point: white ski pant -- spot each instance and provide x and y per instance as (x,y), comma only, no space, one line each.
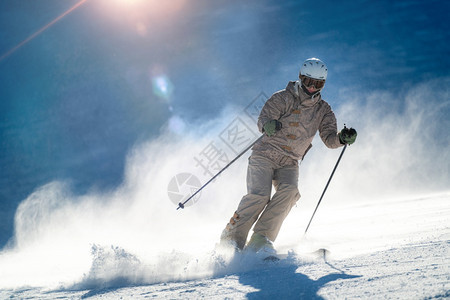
(257,206)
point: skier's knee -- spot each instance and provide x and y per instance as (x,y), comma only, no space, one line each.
(291,189)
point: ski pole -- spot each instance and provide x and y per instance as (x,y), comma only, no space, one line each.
(332,173)
(181,204)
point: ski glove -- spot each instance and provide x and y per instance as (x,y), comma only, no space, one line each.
(271,127)
(347,136)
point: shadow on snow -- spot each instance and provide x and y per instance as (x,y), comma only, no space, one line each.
(284,283)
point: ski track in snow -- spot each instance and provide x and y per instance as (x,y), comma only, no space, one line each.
(416,266)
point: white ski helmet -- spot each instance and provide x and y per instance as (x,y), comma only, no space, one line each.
(314,68)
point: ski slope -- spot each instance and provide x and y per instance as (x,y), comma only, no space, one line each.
(401,250)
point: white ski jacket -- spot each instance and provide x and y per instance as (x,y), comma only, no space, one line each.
(301,116)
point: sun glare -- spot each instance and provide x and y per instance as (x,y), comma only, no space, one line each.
(130,2)
(140,16)
(153,7)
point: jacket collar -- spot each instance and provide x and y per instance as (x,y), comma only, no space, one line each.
(305,99)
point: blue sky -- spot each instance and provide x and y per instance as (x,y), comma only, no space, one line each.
(110,74)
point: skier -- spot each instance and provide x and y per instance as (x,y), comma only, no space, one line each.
(290,120)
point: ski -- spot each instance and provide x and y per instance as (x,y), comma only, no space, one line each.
(271,258)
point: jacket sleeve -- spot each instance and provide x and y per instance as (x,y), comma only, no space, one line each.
(328,130)
(273,109)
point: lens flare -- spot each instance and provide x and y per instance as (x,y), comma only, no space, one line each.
(41,30)
(162,86)
(176,125)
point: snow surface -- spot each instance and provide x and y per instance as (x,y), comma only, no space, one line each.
(414,264)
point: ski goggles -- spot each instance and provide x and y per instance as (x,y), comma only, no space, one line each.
(311,82)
